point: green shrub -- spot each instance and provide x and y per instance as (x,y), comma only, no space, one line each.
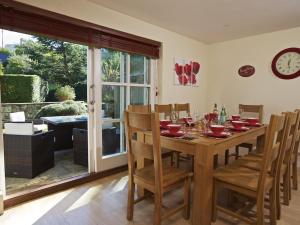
(5,51)
(66,108)
(18,88)
(1,69)
(65,93)
(18,64)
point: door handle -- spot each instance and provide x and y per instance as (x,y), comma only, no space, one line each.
(91,94)
(91,98)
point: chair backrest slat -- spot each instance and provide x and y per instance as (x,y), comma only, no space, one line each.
(182,108)
(165,109)
(257,109)
(296,136)
(139,108)
(140,121)
(140,149)
(290,137)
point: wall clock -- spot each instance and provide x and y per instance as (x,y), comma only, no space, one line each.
(286,64)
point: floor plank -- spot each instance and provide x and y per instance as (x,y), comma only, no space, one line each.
(103,202)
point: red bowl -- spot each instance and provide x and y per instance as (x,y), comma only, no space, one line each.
(217,129)
(174,128)
(164,123)
(236,117)
(252,121)
(238,124)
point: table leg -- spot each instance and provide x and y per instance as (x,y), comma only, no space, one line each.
(203,186)
(260,143)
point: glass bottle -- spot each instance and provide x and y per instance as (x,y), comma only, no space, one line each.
(216,112)
(223,116)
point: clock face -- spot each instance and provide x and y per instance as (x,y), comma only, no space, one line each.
(286,64)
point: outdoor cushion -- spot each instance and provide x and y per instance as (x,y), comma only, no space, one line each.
(17,117)
(19,128)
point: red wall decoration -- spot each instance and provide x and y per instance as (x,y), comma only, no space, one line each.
(186,72)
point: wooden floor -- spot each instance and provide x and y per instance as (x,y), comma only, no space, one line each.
(103,202)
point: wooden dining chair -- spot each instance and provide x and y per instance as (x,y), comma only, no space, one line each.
(139,108)
(254,160)
(166,110)
(252,183)
(156,178)
(257,111)
(147,109)
(288,156)
(178,108)
(294,158)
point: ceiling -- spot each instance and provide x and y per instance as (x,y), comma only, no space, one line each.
(212,21)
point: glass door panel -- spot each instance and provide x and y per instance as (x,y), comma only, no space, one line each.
(120,79)
(139,95)
(113,101)
(139,69)
(112,138)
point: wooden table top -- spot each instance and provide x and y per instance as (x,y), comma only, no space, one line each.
(185,144)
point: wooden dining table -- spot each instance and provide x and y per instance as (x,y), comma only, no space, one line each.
(203,149)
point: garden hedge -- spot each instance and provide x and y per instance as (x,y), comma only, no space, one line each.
(19,88)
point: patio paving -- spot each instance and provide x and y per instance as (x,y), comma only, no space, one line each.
(64,168)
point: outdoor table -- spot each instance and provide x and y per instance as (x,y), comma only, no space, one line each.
(63,129)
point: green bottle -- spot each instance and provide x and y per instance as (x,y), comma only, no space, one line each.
(223,116)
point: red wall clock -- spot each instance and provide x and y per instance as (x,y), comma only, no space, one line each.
(286,64)
(246,71)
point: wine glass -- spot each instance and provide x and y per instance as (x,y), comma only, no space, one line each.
(189,119)
(173,117)
(206,120)
(196,116)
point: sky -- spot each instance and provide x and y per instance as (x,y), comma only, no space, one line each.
(10,37)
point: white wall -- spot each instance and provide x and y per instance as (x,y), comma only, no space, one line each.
(174,45)
(219,81)
(226,87)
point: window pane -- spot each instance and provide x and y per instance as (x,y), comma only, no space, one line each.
(139,69)
(113,65)
(111,138)
(139,96)
(113,101)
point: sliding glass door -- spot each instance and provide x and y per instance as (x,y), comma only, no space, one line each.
(120,79)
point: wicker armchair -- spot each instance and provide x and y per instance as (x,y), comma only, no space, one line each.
(27,156)
(111,144)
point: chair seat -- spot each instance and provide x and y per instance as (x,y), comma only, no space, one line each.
(248,163)
(171,175)
(241,176)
